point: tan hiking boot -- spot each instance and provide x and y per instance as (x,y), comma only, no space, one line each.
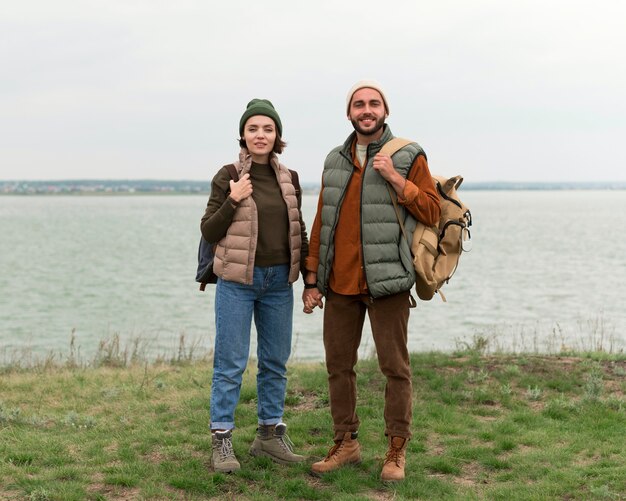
(273,442)
(395,459)
(224,460)
(345,451)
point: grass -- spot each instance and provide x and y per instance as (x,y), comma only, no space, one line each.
(486,426)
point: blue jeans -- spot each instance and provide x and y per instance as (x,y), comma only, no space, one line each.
(270,300)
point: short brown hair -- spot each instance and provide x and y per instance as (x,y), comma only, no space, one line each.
(279,144)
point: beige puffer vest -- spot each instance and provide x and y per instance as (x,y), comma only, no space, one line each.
(234,254)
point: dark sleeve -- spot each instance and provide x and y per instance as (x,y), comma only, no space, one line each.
(219,209)
(304,250)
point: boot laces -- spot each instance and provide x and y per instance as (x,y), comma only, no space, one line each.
(285,442)
(335,449)
(282,438)
(393,455)
(226,448)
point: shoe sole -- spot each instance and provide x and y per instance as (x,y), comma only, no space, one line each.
(320,473)
(391,480)
(226,470)
(258,453)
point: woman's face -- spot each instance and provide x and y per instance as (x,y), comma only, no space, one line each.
(259,133)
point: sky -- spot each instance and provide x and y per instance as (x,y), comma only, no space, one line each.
(524,90)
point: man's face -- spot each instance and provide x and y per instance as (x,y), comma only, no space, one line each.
(367,111)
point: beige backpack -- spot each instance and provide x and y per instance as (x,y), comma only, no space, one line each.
(437,249)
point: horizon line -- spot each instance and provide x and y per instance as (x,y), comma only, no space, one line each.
(186,180)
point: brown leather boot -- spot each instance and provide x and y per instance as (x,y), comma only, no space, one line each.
(345,451)
(395,459)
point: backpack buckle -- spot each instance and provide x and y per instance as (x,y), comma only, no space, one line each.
(466,240)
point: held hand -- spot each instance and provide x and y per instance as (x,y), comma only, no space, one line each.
(241,189)
(312,298)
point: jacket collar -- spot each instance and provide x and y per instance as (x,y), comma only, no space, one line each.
(245,161)
(373,148)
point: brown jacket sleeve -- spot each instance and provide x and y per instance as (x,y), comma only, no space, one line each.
(420,196)
(313,258)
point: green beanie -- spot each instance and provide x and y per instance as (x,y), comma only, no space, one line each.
(260,107)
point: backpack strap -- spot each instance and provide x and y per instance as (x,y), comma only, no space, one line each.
(295,181)
(390,148)
(394,199)
(232,170)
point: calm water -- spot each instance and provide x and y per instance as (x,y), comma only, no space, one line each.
(545,265)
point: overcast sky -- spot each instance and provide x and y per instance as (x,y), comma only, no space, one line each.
(496,91)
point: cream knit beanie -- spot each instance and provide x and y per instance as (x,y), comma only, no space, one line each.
(363,84)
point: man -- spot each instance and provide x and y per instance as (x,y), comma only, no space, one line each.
(359,261)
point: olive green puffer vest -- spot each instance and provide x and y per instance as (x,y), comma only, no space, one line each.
(386,254)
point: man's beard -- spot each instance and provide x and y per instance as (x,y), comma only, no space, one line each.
(379,124)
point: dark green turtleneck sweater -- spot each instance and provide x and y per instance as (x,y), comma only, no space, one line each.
(273,240)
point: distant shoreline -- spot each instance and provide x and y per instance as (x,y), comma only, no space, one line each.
(163,187)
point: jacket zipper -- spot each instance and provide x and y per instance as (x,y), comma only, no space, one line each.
(367,160)
(336,220)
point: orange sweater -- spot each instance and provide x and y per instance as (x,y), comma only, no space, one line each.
(347,275)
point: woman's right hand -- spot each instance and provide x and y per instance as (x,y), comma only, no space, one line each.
(241,189)
(312,298)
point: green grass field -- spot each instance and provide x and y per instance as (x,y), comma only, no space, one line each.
(511,427)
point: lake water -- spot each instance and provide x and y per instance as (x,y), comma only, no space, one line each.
(546,267)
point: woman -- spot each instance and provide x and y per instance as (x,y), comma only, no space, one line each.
(261,240)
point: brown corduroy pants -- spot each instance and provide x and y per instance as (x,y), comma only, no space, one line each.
(343,326)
